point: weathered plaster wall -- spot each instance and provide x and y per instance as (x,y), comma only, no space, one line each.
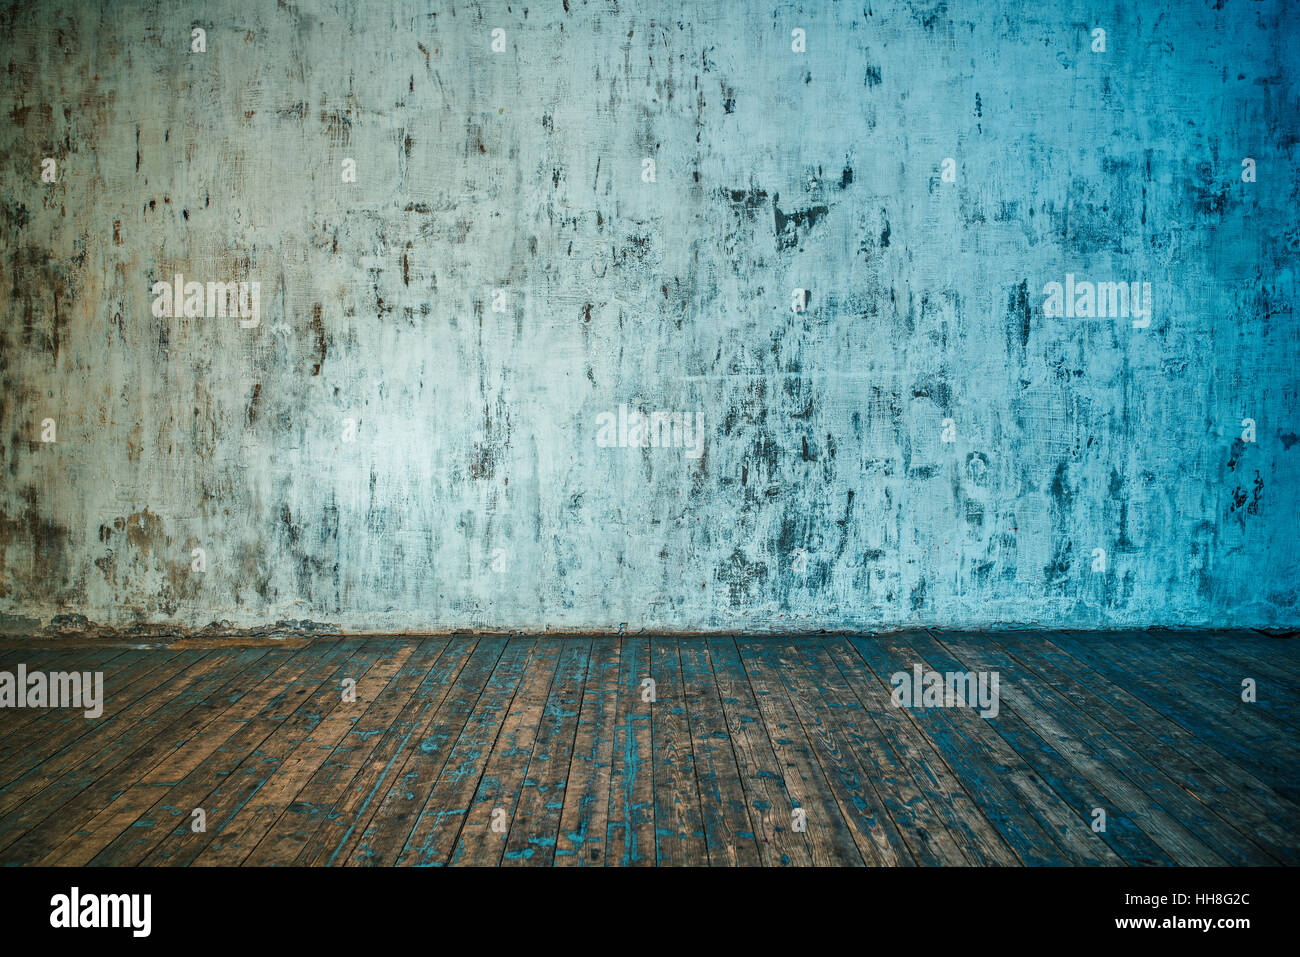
(476,492)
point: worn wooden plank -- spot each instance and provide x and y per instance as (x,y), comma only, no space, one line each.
(231,793)
(140,675)
(999,782)
(491,811)
(1226,789)
(1251,745)
(234,839)
(1122,834)
(770,802)
(831,837)
(584,819)
(872,787)
(373,821)
(535,824)
(554,732)
(438,826)
(978,839)
(1219,682)
(630,837)
(136,797)
(16,723)
(54,782)
(156,739)
(729,831)
(679,828)
(1069,827)
(239,733)
(873,830)
(1254,655)
(876,761)
(1164,815)
(381,732)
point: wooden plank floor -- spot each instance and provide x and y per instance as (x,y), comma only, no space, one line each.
(551,751)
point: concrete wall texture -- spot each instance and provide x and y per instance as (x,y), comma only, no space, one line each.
(422,430)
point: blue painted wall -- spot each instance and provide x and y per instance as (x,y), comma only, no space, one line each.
(396,445)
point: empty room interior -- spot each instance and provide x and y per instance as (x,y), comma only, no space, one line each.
(648,434)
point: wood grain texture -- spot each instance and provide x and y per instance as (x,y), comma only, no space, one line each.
(546,751)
